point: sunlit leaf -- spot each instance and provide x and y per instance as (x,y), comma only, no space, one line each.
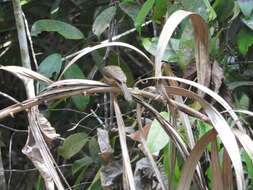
(51,65)
(103,20)
(150,44)
(157,137)
(160,9)
(73,144)
(246,7)
(66,30)
(248,22)
(244,40)
(74,72)
(143,13)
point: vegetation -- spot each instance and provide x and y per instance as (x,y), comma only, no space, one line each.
(186,125)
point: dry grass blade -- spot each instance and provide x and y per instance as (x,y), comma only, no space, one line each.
(214,95)
(227,172)
(149,154)
(46,164)
(226,135)
(108,44)
(191,162)
(250,113)
(74,82)
(216,169)
(201,43)
(122,137)
(172,133)
(16,70)
(245,141)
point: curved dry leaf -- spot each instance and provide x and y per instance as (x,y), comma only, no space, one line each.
(74,82)
(122,138)
(103,45)
(136,135)
(245,141)
(225,133)
(106,150)
(26,73)
(46,128)
(191,162)
(227,172)
(216,169)
(214,95)
(201,43)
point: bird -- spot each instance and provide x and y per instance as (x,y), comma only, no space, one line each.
(113,74)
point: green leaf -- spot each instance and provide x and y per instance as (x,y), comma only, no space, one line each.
(131,9)
(73,144)
(103,20)
(51,65)
(197,6)
(143,13)
(243,101)
(74,72)
(244,40)
(224,9)
(79,179)
(249,165)
(79,164)
(157,138)
(94,150)
(96,182)
(160,9)
(211,12)
(48,25)
(150,44)
(246,7)
(248,22)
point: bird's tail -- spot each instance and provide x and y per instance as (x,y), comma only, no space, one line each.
(126,92)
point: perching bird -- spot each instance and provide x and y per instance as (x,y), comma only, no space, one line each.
(114,74)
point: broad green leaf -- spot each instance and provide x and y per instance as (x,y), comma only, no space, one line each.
(131,9)
(94,150)
(243,102)
(157,138)
(246,7)
(103,20)
(73,144)
(211,12)
(150,44)
(160,9)
(74,72)
(244,40)
(96,183)
(224,9)
(186,46)
(51,65)
(248,22)
(197,6)
(143,13)
(48,25)
(79,164)
(79,179)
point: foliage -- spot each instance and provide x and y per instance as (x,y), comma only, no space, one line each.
(62,33)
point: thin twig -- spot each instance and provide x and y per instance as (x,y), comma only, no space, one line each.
(9,97)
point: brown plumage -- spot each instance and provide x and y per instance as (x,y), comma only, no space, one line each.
(114,74)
